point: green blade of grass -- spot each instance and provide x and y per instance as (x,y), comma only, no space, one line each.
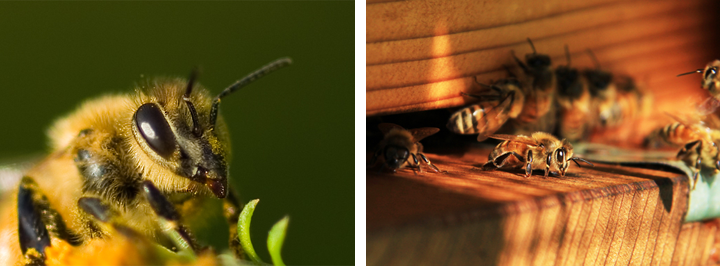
(276,236)
(243,229)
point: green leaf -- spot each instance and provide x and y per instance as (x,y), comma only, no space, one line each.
(276,236)
(244,230)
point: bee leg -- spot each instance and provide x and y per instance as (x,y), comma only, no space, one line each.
(32,231)
(520,63)
(166,211)
(547,171)
(489,165)
(37,222)
(698,164)
(528,165)
(417,163)
(231,211)
(422,156)
(685,152)
(510,72)
(104,213)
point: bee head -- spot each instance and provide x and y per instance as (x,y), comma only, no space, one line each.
(568,82)
(395,156)
(709,75)
(174,130)
(537,61)
(179,128)
(598,80)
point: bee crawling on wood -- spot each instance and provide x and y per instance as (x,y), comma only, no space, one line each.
(145,167)
(540,151)
(399,144)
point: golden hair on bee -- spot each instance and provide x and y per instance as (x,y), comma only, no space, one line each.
(131,160)
(539,151)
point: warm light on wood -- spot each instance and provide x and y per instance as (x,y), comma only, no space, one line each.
(412,44)
(421,55)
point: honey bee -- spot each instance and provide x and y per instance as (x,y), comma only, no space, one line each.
(573,101)
(710,80)
(399,144)
(698,142)
(603,91)
(538,112)
(711,83)
(146,166)
(631,101)
(540,151)
(487,116)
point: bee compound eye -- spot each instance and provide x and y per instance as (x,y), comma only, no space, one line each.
(710,73)
(155,129)
(403,153)
(561,155)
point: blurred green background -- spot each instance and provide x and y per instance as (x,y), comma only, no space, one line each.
(292,131)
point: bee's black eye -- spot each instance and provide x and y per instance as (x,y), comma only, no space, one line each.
(710,73)
(155,129)
(561,155)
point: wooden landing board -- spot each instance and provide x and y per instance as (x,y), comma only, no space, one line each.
(422,54)
(606,214)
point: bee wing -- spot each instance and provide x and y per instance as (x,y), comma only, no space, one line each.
(516,138)
(421,133)
(688,122)
(386,127)
(708,106)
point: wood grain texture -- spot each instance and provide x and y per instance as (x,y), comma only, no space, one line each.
(422,54)
(604,215)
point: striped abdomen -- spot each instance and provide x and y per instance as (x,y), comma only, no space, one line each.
(482,118)
(678,134)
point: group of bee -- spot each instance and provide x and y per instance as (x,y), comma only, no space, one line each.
(129,177)
(537,104)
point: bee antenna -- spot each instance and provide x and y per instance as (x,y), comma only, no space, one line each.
(267,69)
(193,113)
(592,56)
(531,45)
(482,84)
(574,159)
(691,72)
(567,54)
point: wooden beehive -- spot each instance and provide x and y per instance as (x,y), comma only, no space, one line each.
(422,54)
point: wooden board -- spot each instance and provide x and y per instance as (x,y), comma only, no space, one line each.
(606,214)
(422,54)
